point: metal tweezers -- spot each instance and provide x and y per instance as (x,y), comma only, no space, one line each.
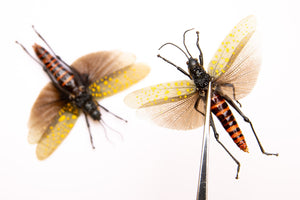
(202,182)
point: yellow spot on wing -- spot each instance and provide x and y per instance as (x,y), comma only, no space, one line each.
(237,39)
(164,93)
(119,80)
(57,131)
(62,118)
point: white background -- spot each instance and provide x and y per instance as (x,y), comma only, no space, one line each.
(151,162)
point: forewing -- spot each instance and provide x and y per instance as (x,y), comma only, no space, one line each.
(57,131)
(231,47)
(99,64)
(44,110)
(243,72)
(118,80)
(170,105)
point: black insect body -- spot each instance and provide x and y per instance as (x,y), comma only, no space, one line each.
(69,82)
(74,89)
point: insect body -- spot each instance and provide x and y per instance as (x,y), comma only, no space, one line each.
(68,82)
(221,109)
(75,89)
(232,71)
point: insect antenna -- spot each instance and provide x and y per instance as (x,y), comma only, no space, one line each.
(88,125)
(184,41)
(166,60)
(174,46)
(198,46)
(104,125)
(30,54)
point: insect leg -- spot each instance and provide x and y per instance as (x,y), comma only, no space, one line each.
(44,68)
(40,36)
(111,113)
(217,138)
(30,54)
(248,120)
(88,125)
(179,68)
(196,105)
(233,92)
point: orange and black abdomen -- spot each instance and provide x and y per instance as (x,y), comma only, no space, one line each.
(59,72)
(220,108)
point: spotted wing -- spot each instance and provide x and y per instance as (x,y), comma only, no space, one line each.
(46,122)
(118,80)
(100,64)
(43,112)
(236,63)
(170,105)
(57,131)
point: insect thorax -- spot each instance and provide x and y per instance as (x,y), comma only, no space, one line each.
(86,102)
(198,74)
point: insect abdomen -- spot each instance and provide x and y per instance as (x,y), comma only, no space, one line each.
(220,108)
(63,76)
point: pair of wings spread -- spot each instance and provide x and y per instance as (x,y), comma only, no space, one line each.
(169,104)
(236,62)
(52,119)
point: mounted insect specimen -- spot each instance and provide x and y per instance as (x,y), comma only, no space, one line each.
(232,71)
(75,89)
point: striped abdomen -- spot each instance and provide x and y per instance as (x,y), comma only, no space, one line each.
(58,70)
(220,108)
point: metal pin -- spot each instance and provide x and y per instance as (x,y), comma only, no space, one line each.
(202,182)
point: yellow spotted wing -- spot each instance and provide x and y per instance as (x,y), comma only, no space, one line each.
(118,80)
(57,131)
(237,60)
(52,117)
(109,72)
(236,63)
(170,105)
(50,121)
(44,110)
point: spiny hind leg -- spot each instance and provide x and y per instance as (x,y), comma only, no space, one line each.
(246,119)
(212,124)
(197,104)
(233,92)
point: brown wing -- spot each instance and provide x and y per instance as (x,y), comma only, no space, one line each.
(100,64)
(44,110)
(179,115)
